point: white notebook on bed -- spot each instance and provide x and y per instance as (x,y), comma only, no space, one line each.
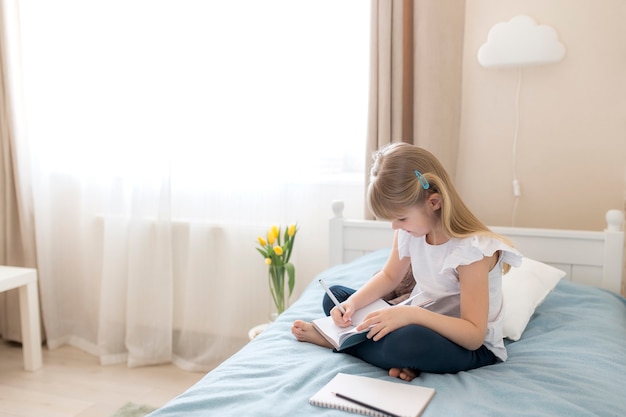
(384,398)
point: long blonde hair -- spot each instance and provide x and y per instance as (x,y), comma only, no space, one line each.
(394,186)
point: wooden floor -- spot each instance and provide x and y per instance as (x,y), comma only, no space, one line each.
(73,384)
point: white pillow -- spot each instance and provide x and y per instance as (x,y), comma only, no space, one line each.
(523,289)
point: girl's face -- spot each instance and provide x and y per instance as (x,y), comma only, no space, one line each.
(413,220)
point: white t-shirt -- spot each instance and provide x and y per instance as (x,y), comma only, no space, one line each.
(434,269)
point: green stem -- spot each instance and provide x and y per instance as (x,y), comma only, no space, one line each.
(276,275)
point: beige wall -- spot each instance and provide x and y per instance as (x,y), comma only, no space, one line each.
(571,153)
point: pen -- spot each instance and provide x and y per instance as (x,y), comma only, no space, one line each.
(332,296)
(361,403)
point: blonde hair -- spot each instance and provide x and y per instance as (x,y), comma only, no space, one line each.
(395,186)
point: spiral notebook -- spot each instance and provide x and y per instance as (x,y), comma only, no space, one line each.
(383,398)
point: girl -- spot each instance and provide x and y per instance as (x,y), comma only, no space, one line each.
(455,259)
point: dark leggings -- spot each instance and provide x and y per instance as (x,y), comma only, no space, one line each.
(414,347)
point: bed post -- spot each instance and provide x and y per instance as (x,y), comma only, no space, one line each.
(613,251)
(335,234)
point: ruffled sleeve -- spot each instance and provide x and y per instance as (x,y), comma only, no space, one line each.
(403,244)
(474,248)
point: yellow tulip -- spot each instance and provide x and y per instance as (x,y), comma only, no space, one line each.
(262,241)
(278,250)
(271,237)
(291,230)
(268,261)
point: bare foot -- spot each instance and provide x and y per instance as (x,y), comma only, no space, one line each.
(405,374)
(305,332)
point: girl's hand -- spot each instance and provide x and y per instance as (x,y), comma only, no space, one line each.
(386,320)
(343,320)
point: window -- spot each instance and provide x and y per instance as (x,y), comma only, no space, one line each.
(166,135)
(130,88)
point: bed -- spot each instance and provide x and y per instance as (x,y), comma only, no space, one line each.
(569,358)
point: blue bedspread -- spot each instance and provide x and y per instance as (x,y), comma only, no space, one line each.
(570,361)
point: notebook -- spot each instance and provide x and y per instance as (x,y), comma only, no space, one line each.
(394,398)
(344,337)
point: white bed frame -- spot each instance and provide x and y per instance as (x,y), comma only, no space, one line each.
(588,257)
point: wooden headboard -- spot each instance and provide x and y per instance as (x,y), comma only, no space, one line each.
(588,257)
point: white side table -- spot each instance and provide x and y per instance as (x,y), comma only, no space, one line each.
(26,280)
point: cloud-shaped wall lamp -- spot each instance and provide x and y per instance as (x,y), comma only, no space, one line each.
(520,42)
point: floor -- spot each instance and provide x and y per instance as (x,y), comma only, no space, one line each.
(73,384)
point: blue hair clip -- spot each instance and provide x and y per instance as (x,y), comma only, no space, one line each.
(422,180)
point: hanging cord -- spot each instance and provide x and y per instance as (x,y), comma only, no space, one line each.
(516,187)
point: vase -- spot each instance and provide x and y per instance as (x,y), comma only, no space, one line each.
(277,284)
(273,316)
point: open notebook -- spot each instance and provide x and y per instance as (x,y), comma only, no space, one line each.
(343,337)
(394,398)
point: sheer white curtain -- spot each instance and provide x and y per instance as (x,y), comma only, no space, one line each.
(165,136)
